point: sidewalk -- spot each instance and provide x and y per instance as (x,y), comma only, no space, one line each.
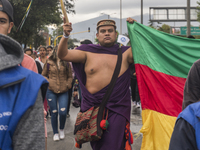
(69,142)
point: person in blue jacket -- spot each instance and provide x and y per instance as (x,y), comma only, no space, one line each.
(21,105)
(186,134)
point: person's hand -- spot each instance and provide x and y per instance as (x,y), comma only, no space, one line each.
(134,73)
(131,20)
(75,93)
(67,28)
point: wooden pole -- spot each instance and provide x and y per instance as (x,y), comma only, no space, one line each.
(64,11)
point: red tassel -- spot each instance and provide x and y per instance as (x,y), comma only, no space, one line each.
(128,146)
(104,124)
(77,145)
(131,137)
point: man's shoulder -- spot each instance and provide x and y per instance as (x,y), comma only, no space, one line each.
(197,62)
(195,65)
(191,112)
(27,60)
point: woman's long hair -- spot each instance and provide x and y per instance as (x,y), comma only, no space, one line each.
(54,58)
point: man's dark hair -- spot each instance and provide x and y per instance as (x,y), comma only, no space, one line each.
(7,8)
(86,41)
(191,37)
(50,47)
(28,49)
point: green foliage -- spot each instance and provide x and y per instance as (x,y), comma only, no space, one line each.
(151,25)
(58,31)
(38,40)
(42,14)
(164,28)
(71,43)
(198,11)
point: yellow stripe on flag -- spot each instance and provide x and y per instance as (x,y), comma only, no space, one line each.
(157,130)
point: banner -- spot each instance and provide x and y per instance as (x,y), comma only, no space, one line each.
(162,62)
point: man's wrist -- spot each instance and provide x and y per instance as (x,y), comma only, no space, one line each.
(65,36)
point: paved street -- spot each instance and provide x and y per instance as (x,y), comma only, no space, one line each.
(69,142)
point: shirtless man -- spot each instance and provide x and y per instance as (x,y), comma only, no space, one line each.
(99,62)
(98,68)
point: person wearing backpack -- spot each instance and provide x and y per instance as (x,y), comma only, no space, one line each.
(59,75)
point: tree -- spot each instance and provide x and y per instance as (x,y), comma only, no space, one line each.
(164,28)
(71,43)
(42,13)
(151,24)
(198,11)
(58,31)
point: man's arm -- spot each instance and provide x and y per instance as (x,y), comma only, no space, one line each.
(192,85)
(130,54)
(29,134)
(69,55)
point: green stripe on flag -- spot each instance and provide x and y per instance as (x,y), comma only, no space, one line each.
(166,53)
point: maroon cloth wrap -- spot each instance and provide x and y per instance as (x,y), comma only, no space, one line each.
(119,103)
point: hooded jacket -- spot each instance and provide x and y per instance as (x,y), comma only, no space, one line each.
(187,128)
(21,109)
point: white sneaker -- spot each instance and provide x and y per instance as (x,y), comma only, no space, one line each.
(62,134)
(138,105)
(56,137)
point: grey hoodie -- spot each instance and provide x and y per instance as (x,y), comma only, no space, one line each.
(11,53)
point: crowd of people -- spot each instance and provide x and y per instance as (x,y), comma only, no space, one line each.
(58,94)
(29,82)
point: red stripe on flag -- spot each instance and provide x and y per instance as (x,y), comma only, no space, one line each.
(160,92)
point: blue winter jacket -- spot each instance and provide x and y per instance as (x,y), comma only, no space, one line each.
(192,115)
(18,91)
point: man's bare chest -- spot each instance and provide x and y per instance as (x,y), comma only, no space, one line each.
(100,62)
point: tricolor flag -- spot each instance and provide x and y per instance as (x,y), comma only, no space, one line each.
(162,62)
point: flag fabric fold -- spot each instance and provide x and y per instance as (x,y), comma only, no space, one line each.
(162,62)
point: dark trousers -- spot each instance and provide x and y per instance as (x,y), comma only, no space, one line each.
(70,95)
(134,90)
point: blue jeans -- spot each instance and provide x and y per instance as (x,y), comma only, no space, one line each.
(54,100)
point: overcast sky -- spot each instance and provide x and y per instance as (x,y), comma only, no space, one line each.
(87,9)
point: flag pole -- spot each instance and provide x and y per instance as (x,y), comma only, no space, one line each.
(64,11)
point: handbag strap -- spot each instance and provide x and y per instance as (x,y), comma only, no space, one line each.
(109,91)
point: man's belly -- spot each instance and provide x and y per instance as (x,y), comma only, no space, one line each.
(97,82)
